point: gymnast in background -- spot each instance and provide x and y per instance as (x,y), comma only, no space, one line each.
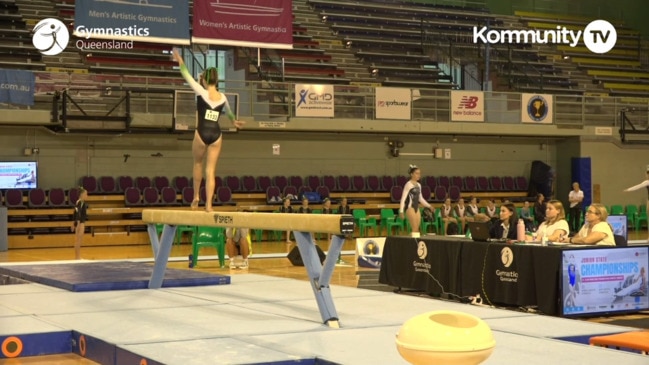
(410,200)
(644,184)
(206,146)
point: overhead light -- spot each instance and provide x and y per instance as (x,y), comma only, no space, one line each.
(348,44)
(324,18)
(566,57)
(375,72)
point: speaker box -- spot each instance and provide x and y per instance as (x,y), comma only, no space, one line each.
(296,259)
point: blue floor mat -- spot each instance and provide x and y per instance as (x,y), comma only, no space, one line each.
(99,276)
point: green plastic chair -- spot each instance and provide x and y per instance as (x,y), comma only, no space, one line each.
(364,223)
(631,212)
(398,223)
(435,223)
(182,229)
(387,216)
(209,237)
(616,209)
(641,217)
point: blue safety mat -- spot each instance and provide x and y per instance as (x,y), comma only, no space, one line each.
(100,276)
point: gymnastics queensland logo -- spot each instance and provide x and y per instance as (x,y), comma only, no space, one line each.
(422,250)
(507,256)
(50,36)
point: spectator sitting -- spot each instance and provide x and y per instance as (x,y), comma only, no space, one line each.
(237,244)
(305,206)
(526,215)
(539,208)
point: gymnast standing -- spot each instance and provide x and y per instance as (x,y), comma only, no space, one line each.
(206,146)
(410,200)
(79,225)
(644,184)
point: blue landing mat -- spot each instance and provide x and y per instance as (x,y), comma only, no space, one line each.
(99,276)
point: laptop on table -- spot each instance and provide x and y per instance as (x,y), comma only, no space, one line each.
(479,231)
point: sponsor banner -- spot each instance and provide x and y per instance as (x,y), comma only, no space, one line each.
(314,100)
(536,108)
(467,106)
(393,103)
(157,21)
(244,23)
(369,252)
(17,87)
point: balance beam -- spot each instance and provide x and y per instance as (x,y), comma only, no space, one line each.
(302,225)
(322,223)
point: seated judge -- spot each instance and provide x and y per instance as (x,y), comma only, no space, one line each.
(505,227)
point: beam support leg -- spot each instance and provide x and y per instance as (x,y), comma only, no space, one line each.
(320,276)
(162,256)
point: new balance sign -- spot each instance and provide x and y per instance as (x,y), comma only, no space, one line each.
(467,106)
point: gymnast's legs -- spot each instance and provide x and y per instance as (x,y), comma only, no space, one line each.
(205,157)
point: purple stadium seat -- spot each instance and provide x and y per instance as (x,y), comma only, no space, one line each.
(372,183)
(295,181)
(358,183)
(330,182)
(290,190)
(36,198)
(168,196)
(160,182)
(249,184)
(203,195)
(124,182)
(187,195)
(313,182)
(457,181)
(495,183)
(387,182)
(470,183)
(401,180)
(224,196)
(454,193)
(14,198)
(233,183)
(302,190)
(425,192)
(179,183)
(430,181)
(73,196)
(395,193)
(508,183)
(107,185)
(90,184)
(142,182)
(56,198)
(264,182)
(440,194)
(150,196)
(273,195)
(132,197)
(280,181)
(343,183)
(444,181)
(323,191)
(521,183)
(482,183)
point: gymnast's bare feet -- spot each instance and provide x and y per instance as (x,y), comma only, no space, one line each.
(208,208)
(195,203)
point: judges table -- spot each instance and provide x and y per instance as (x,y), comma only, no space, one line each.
(505,274)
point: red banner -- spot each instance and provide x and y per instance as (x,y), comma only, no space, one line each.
(244,23)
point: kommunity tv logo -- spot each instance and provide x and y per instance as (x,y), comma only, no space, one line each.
(599,36)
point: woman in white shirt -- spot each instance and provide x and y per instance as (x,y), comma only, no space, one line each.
(596,230)
(410,200)
(555,226)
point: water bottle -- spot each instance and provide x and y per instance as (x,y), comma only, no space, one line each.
(544,240)
(520,231)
